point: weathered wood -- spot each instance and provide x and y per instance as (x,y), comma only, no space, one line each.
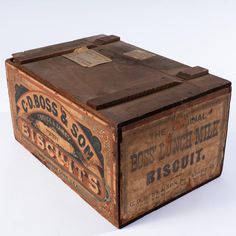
(172,154)
(127,129)
(132,93)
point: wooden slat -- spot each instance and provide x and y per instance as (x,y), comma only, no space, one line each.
(53,50)
(192,72)
(106,39)
(132,93)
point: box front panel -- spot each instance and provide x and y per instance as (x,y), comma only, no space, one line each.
(171,153)
(77,146)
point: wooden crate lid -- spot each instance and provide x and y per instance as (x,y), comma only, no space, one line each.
(132,84)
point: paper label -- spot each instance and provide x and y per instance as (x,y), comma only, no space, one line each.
(139,54)
(87,57)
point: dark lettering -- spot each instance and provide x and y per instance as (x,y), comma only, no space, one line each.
(133,162)
(88,152)
(176,166)
(150,177)
(184,162)
(63,117)
(166,170)
(36,101)
(74,130)
(42,102)
(30,102)
(24,106)
(48,105)
(54,109)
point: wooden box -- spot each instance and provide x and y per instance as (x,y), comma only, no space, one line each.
(125,128)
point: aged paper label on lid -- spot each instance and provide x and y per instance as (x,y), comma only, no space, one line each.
(87,57)
(139,54)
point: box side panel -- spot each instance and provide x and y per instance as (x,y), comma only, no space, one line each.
(77,146)
(171,153)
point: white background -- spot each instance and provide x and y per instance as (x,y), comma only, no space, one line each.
(33,201)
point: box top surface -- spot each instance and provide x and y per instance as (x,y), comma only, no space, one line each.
(115,80)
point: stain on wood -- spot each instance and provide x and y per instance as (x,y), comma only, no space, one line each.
(128,135)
